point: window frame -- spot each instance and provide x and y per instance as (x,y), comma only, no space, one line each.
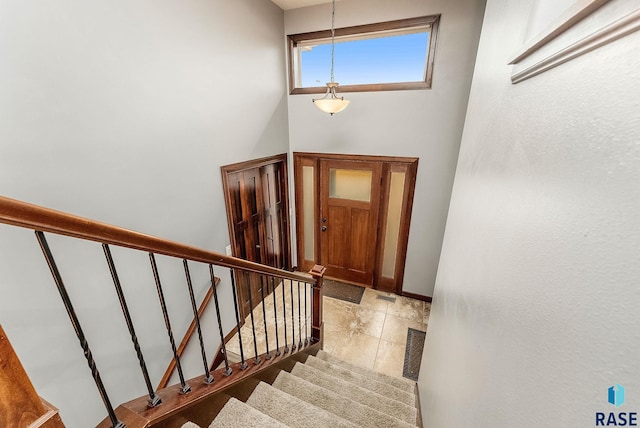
(432,21)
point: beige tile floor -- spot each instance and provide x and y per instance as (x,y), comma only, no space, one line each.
(371,334)
(277,319)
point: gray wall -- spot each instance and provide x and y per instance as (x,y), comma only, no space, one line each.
(535,308)
(425,124)
(124,112)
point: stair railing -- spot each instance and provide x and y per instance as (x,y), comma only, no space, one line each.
(164,381)
(307,288)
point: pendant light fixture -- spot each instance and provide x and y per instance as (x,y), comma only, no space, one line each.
(331,103)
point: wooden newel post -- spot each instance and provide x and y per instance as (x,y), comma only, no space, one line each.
(20,405)
(317,328)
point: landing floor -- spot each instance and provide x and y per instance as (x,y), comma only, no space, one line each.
(372,334)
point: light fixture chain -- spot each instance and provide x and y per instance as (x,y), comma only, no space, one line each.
(333,36)
(331,103)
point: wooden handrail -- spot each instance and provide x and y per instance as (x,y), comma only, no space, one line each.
(137,413)
(22,214)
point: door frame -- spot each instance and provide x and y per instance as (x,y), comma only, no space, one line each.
(408,165)
(257,163)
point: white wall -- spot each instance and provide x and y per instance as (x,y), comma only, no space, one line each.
(425,124)
(124,112)
(535,307)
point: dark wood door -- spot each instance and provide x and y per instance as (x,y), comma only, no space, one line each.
(246,190)
(349,205)
(275,218)
(257,208)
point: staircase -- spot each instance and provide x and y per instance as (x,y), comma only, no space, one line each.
(292,383)
(322,391)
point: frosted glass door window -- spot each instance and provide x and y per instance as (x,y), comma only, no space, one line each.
(352,184)
(308,211)
(394,214)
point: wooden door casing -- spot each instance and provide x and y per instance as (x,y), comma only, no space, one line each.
(311,248)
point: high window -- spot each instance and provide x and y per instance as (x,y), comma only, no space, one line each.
(386,56)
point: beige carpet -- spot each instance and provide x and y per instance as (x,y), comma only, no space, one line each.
(366,381)
(324,392)
(356,393)
(403,384)
(291,410)
(236,414)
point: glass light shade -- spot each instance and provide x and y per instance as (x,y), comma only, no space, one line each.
(331,103)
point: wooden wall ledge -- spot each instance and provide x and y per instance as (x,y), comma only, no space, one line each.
(20,405)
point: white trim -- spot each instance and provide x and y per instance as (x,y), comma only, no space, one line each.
(576,13)
(613,31)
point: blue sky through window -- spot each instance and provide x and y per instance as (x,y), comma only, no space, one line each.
(393,59)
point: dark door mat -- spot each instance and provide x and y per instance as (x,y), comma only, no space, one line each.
(413,354)
(342,291)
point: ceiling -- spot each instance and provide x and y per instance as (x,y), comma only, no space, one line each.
(294,4)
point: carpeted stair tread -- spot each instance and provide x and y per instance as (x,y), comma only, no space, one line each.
(330,401)
(405,385)
(356,393)
(364,381)
(292,411)
(238,414)
(189,425)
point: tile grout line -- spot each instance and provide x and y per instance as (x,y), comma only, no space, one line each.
(379,341)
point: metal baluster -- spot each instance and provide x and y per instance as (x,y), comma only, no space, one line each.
(256,360)
(306,316)
(284,318)
(275,310)
(227,370)
(275,313)
(184,388)
(264,315)
(208,379)
(154,400)
(115,423)
(299,320)
(243,364)
(293,322)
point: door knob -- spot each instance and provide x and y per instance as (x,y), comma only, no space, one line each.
(323,228)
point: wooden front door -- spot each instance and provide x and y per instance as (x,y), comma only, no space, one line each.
(349,211)
(256,199)
(353,214)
